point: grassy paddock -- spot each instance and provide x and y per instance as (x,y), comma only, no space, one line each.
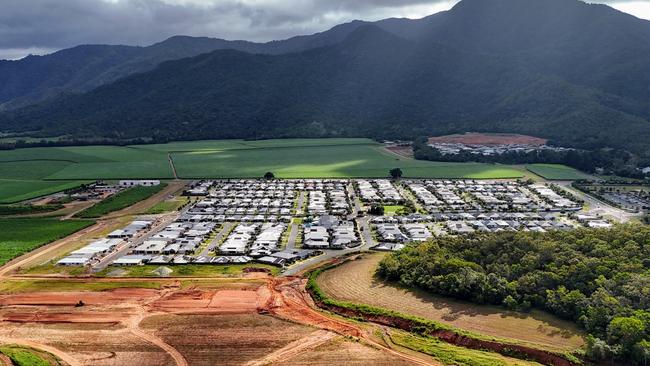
(449,354)
(556,172)
(120,201)
(19,236)
(61,285)
(392,210)
(189,270)
(168,205)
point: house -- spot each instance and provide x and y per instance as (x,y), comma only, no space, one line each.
(274,261)
(75,260)
(132,260)
(316,237)
(139,183)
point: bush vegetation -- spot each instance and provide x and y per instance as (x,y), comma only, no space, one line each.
(599,279)
(23,357)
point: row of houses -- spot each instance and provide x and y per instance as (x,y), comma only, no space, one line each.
(328,232)
(100,248)
(177,238)
(255,240)
(392,232)
(550,196)
(493,226)
(90,253)
(378,191)
(438,196)
(131,230)
(592,221)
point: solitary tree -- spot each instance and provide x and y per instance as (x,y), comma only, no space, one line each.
(376,209)
(269,175)
(396,173)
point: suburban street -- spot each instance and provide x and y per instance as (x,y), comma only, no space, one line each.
(126,246)
(598,207)
(221,235)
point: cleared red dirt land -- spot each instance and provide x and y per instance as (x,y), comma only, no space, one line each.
(488,139)
(270,322)
(354,281)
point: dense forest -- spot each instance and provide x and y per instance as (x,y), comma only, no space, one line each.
(599,279)
(612,161)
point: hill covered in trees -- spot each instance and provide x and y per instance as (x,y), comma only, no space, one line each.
(561,69)
(599,279)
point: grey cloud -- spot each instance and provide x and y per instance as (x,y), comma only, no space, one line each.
(54,24)
(39,26)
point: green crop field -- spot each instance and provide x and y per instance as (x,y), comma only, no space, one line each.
(363,159)
(29,173)
(12,191)
(19,236)
(120,200)
(556,172)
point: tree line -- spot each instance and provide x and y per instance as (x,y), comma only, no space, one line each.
(618,162)
(599,279)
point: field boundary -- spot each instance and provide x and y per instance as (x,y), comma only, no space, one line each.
(429,328)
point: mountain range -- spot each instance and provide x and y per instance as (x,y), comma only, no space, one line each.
(572,72)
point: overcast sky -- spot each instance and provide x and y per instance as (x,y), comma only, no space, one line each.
(44,26)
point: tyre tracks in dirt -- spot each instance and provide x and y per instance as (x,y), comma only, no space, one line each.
(288,300)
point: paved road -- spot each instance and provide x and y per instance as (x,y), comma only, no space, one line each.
(125,247)
(356,206)
(364,232)
(293,235)
(367,242)
(302,200)
(598,207)
(225,230)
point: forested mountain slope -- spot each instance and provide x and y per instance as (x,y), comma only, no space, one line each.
(560,69)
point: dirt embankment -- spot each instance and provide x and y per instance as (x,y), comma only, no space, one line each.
(523,352)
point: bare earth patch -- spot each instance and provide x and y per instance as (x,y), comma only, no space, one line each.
(354,281)
(340,351)
(488,139)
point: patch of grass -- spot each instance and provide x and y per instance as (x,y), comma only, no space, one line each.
(120,201)
(23,356)
(392,210)
(21,235)
(449,354)
(556,172)
(61,285)
(167,206)
(189,270)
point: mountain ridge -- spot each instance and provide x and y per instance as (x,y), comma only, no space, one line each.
(395,78)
